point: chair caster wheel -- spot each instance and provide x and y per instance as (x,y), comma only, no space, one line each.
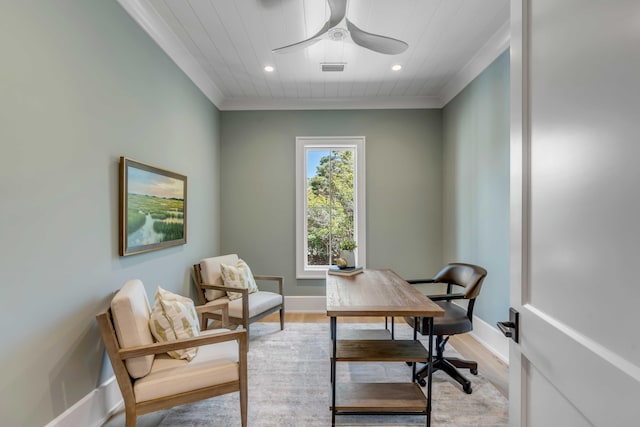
(422,382)
(474,371)
(467,389)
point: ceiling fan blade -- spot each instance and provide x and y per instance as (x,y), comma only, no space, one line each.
(298,46)
(305,43)
(338,10)
(375,42)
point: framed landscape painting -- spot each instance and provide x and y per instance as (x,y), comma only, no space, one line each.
(153,208)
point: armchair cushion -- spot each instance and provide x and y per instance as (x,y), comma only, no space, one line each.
(238,276)
(130,309)
(211,275)
(214,364)
(259,302)
(173,317)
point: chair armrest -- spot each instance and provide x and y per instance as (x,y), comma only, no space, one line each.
(445,297)
(244,292)
(219,287)
(278,279)
(159,348)
(416,281)
(245,297)
(215,306)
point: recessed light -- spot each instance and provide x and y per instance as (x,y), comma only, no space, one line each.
(397,67)
(269,69)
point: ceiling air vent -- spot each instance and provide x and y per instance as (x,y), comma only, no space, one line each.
(338,66)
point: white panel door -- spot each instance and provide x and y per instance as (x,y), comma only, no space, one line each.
(575,212)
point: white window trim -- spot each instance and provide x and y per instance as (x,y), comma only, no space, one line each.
(302,143)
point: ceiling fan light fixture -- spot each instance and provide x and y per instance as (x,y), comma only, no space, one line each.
(269,68)
(338,34)
(396,67)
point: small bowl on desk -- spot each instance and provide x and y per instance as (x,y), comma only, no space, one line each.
(341,263)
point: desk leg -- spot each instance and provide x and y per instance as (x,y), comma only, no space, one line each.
(393,328)
(334,339)
(415,338)
(429,370)
(386,326)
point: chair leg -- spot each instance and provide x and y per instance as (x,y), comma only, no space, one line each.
(130,416)
(243,377)
(464,364)
(422,373)
(282,318)
(204,322)
(246,328)
(449,366)
(456,375)
(243,401)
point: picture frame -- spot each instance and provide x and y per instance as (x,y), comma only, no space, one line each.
(153,208)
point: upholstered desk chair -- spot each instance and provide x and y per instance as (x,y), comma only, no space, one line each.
(467,280)
(151,380)
(242,311)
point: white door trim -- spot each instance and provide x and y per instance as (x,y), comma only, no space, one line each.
(519,184)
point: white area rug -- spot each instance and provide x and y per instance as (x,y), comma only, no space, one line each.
(289,385)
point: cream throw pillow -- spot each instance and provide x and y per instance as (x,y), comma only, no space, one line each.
(174,317)
(239,277)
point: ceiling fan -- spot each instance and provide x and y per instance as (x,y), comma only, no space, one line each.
(333,30)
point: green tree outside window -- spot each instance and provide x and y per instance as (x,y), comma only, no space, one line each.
(330,206)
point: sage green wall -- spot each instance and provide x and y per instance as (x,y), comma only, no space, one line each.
(403,194)
(476,184)
(80,85)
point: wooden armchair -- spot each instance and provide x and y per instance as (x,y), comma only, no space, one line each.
(149,379)
(242,311)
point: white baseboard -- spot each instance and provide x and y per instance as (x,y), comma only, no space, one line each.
(309,304)
(94,409)
(491,338)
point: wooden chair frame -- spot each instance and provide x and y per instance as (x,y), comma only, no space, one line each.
(118,355)
(245,320)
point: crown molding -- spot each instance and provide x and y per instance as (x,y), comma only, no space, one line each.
(363,103)
(488,53)
(146,16)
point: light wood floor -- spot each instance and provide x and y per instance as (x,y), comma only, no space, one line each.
(492,368)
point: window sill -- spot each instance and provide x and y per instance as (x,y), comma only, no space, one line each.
(311,274)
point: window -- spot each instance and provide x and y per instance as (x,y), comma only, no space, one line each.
(330,203)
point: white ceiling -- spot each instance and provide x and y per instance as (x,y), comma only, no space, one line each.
(224,45)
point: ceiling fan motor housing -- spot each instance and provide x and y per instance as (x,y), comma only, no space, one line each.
(338,34)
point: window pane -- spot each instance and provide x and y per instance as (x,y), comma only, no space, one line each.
(330,203)
(318,235)
(313,161)
(342,225)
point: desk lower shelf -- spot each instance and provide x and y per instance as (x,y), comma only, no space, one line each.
(364,334)
(380,397)
(380,351)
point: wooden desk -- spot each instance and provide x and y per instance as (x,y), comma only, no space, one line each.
(378,293)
